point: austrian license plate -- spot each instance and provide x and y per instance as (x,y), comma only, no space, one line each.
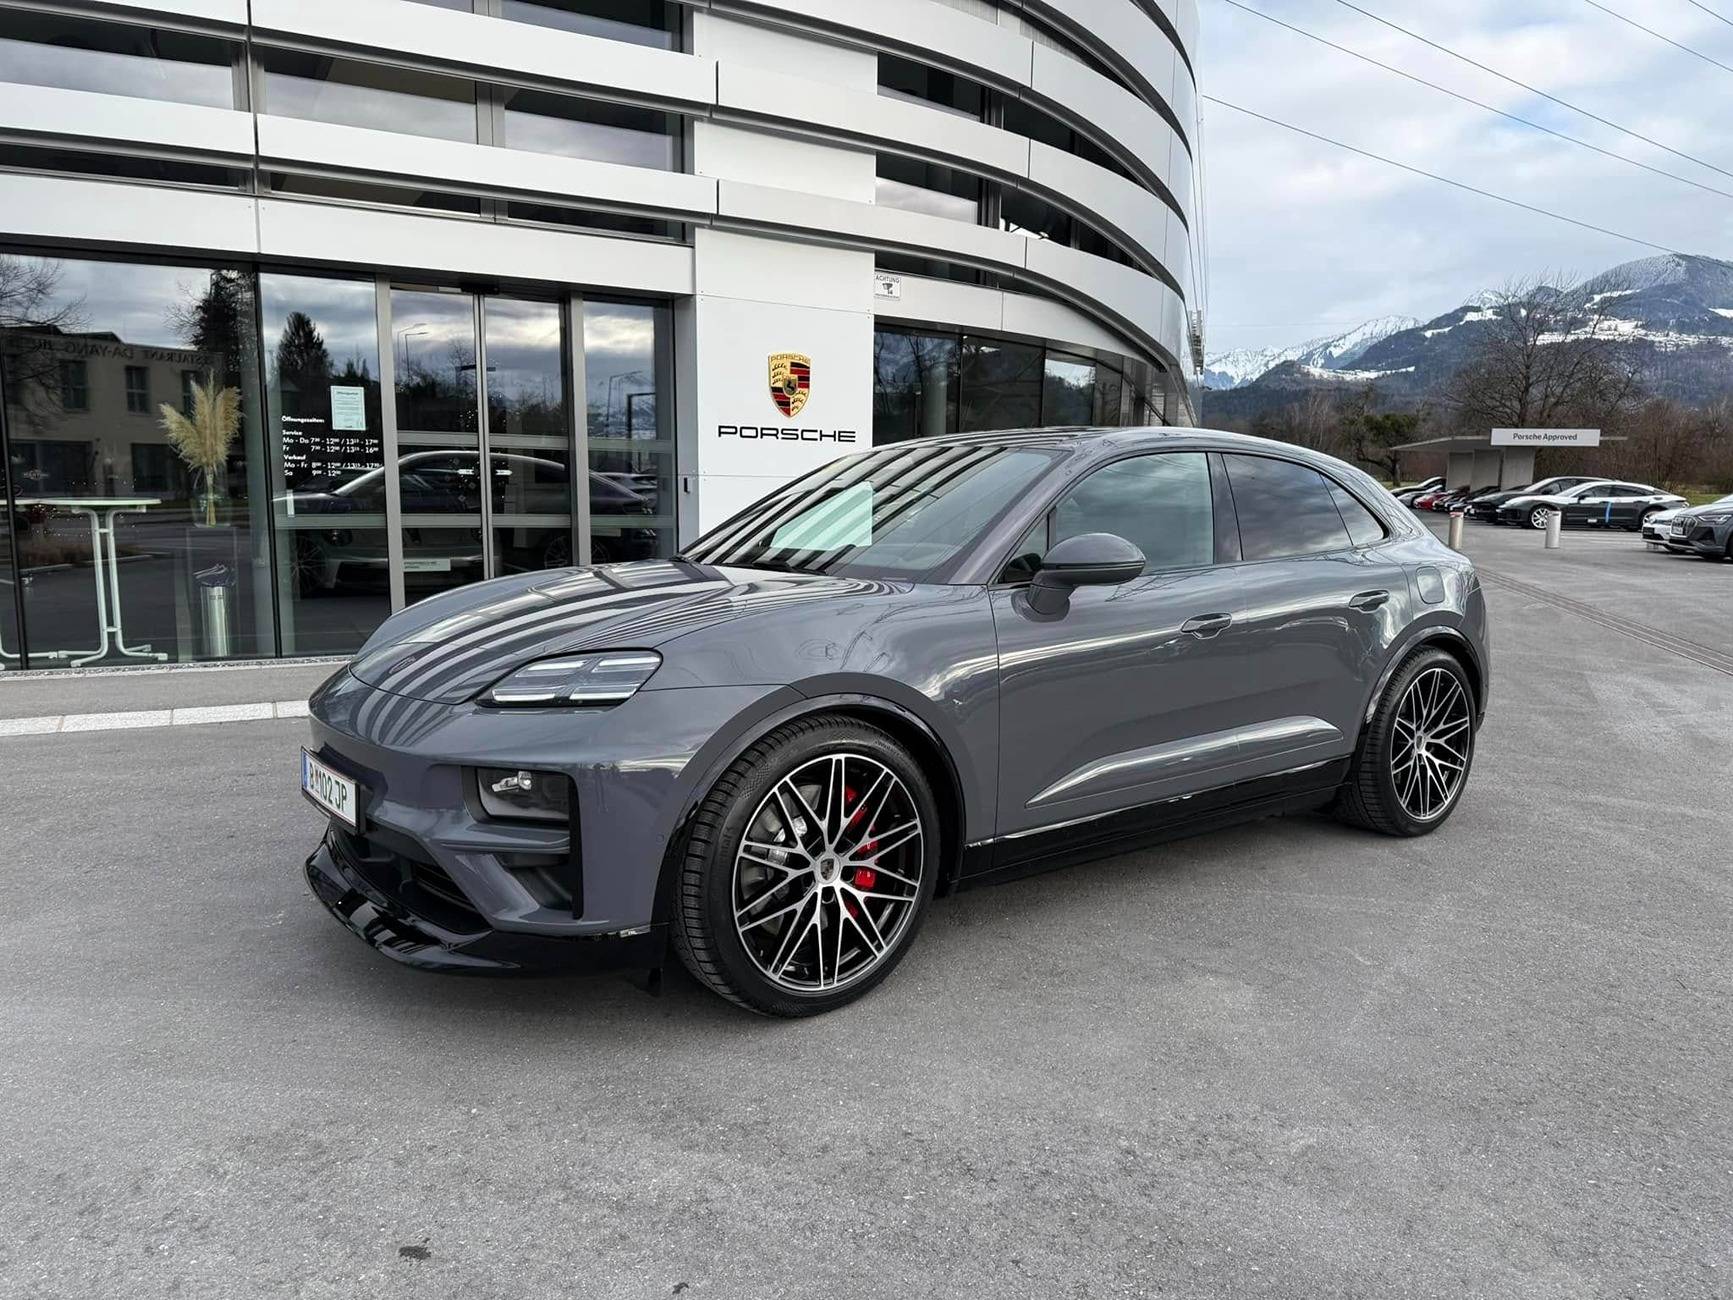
(1678,530)
(332,791)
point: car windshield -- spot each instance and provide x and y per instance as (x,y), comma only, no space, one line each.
(902,512)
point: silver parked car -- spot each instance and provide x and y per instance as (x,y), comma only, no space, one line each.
(924,668)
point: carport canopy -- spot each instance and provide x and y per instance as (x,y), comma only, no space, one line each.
(1472,462)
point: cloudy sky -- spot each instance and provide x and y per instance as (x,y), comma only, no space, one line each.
(1308,240)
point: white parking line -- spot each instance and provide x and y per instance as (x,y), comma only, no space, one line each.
(136,718)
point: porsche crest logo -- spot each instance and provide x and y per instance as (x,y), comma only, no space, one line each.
(790,382)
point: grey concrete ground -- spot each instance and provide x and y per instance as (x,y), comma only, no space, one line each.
(1286,1061)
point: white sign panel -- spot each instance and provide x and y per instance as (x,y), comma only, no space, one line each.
(887,285)
(348,408)
(1546,437)
(781,391)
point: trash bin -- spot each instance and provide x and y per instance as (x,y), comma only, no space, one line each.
(216,587)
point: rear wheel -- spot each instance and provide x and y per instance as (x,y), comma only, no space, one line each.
(808,869)
(1416,753)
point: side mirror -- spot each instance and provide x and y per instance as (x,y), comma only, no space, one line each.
(1087,560)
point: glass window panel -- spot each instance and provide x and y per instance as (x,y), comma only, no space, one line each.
(1363,526)
(348,191)
(629,409)
(642,22)
(352,93)
(433,347)
(1001,386)
(1109,397)
(1284,509)
(585,128)
(187,575)
(608,222)
(914,385)
(928,187)
(83,163)
(1068,393)
(905,79)
(529,435)
(325,425)
(1024,214)
(115,59)
(1161,504)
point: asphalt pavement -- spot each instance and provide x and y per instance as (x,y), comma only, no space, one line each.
(1288,1060)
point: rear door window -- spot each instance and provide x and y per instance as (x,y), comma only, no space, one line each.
(1284,509)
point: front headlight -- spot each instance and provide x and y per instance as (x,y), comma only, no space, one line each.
(1716,519)
(593,680)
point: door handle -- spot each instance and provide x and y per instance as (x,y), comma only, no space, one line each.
(1370,600)
(1206,626)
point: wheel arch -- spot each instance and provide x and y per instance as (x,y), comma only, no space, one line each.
(936,758)
(1454,642)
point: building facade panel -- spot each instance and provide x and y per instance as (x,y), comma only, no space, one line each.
(310,309)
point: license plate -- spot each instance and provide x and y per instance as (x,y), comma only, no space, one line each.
(332,791)
(1678,530)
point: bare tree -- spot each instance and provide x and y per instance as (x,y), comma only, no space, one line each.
(1315,421)
(33,309)
(1551,356)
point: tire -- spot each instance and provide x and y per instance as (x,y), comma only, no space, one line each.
(1537,518)
(1386,791)
(1644,521)
(777,795)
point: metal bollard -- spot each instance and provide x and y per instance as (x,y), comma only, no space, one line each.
(1555,527)
(1456,518)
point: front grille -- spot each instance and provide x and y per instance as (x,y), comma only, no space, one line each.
(422,887)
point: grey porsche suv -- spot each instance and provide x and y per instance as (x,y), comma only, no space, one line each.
(920,669)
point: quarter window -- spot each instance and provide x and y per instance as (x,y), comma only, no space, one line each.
(1161,504)
(1363,526)
(1284,509)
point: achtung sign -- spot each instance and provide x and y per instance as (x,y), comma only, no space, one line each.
(1546,437)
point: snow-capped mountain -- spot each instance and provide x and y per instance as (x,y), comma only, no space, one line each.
(1338,352)
(1674,311)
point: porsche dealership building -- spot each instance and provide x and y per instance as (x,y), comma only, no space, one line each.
(279,279)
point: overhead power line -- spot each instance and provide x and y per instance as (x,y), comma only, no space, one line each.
(1718,17)
(1443,180)
(1469,99)
(1533,90)
(1659,36)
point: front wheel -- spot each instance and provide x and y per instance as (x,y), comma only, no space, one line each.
(1538,518)
(808,869)
(1416,753)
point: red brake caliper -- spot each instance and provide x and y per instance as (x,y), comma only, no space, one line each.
(864,877)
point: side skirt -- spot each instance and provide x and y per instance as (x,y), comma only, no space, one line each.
(1070,843)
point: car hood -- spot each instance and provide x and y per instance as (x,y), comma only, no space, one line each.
(450,648)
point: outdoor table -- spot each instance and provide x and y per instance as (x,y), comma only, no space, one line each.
(105,564)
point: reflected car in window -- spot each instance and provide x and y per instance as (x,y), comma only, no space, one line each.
(917,670)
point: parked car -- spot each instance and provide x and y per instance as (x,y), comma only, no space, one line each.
(1703,530)
(1461,499)
(1486,507)
(1407,494)
(1655,526)
(1425,499)
(914,670)
(1600,503)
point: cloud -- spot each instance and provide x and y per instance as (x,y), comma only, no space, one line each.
(1307,239)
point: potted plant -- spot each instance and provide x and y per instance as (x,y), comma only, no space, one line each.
(203,439)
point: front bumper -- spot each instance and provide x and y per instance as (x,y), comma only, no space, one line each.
(383,916)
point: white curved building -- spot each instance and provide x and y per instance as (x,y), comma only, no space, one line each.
(696,246)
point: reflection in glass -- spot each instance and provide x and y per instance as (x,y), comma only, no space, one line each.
(434,355)
(914,385)
(1109,397)
(626,365)
(529,435)
(133,521)
(115,59)
(586,128)
(928,187)
(642,22)
(1068,393)
(325,433)
(1001,385)
(352,93)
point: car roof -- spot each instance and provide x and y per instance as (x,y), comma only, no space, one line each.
(1104,443)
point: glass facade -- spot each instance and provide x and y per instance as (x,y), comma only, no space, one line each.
(927,383)
(210,462)
(41,49)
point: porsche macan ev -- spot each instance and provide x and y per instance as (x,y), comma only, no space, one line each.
(922,668)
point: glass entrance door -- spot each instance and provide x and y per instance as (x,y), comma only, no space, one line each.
(483,438)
